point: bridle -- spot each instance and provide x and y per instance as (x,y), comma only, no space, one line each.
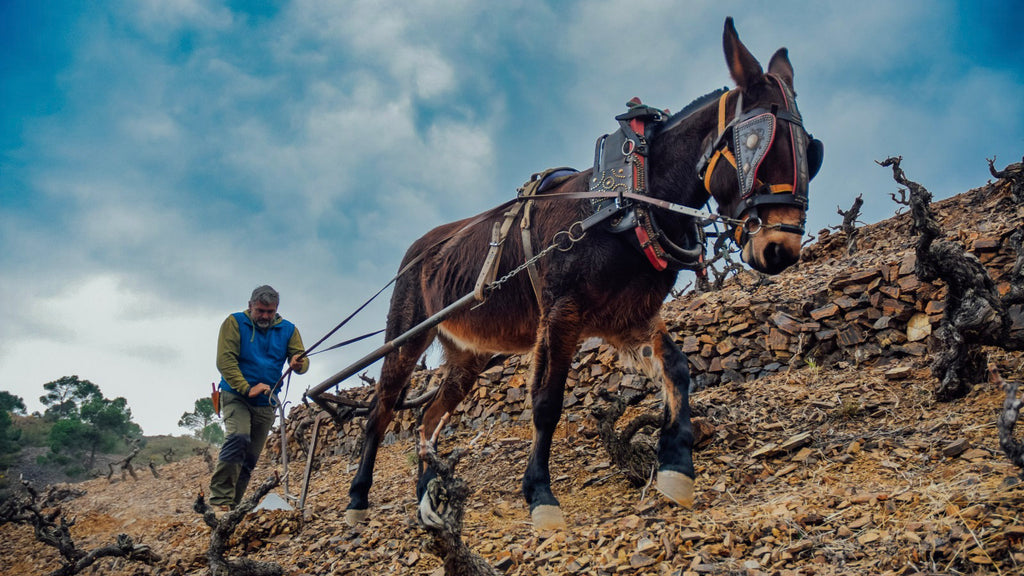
(752,135)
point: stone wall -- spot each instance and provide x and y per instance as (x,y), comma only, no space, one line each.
(866,309)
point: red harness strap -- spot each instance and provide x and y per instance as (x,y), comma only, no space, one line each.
(647,245)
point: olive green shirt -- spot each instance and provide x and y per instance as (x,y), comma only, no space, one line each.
(229,344)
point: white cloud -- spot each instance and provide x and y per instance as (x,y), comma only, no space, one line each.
(401,39)
(459,160)
(430,75)
(128,342)
(162,18)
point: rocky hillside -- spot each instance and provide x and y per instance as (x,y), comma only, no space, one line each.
(822,452)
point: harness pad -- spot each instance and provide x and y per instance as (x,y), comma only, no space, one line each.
(620,166)
(612,172)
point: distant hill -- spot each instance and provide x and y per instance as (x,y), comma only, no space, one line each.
(42,473)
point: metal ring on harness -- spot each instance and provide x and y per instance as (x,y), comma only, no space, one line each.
(752,225)
(567,235)
(628,146)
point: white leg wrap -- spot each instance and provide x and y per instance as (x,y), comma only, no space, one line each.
(547,517)
(356,517)
(428,516)
(676,486)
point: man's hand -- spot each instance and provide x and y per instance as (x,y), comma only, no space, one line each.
(258,389)
(296,363)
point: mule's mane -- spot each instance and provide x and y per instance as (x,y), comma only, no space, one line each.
(690,108)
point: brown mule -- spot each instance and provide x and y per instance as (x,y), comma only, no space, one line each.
(606,284)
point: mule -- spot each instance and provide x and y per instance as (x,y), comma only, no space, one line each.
(602,282)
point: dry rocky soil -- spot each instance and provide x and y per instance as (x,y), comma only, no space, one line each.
(833,465)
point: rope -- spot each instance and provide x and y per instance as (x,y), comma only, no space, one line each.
(345,343)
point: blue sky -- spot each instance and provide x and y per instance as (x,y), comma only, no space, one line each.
(161,158)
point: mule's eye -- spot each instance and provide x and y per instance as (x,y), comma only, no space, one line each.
(815,156)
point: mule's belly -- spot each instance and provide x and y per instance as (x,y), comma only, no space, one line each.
(491,334)
(506,322)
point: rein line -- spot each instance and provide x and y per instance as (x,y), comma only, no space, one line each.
(556,244)
(309,351)
(671,206)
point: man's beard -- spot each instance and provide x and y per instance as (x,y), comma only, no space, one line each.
(264,324)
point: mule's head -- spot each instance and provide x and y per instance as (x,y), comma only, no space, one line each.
(759,161)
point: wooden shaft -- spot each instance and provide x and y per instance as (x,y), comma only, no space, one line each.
(392,345)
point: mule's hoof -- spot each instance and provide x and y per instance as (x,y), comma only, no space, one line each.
(428,516)
(547,517)
(676,486)
(355,517)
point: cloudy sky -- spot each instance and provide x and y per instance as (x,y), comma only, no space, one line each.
(161,158)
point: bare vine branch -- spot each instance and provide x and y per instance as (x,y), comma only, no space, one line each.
(223,527)
(1014,173)
(975,314)
(636,457)
(1007,419)
(54,529)
(849,225)
(447,496)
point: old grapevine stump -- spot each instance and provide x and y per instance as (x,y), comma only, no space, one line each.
(447,496)
(1007,420)
(54,529)
(975,314)
(221,529)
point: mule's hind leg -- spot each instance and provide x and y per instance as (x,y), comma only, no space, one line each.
(552,357)
(675,446)
(395,373)
(462,369)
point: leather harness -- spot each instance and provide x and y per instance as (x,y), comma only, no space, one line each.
(537,183)
(618,186)
(620,167)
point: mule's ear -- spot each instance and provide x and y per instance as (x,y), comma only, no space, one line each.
(781,67)
(744,68)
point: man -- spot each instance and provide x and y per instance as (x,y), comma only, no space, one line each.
(253,347)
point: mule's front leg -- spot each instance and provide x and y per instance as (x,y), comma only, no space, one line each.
(552,357)
(547,410)
(675,446)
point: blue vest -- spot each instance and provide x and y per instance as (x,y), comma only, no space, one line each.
(262,355)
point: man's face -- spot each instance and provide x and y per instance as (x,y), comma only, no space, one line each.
(262,314)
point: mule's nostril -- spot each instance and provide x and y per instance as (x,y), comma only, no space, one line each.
(777,258)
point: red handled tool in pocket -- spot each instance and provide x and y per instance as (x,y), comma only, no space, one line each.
(215,397)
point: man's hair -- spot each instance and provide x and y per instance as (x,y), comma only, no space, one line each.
(265,295)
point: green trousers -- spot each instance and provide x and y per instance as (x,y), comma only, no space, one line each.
(247,428)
